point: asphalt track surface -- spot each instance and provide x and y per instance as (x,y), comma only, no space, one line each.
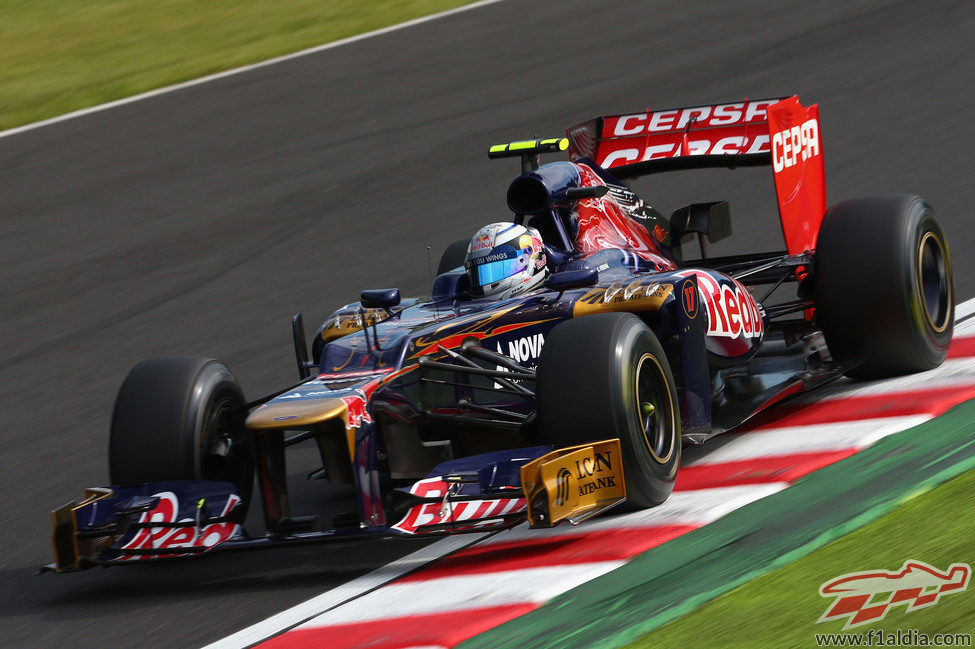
(200,220)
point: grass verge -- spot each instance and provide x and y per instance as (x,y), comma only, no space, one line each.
(780,609)
(59,56)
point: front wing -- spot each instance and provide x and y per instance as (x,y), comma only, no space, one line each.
(121,525)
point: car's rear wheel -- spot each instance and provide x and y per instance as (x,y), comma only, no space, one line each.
(605,376)
(884,291)
(181,418)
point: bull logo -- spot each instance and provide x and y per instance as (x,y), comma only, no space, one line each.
(865,597)
(562,487)
(355,409)
(689,294)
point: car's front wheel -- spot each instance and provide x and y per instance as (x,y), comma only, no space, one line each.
(604,376)
(180,418)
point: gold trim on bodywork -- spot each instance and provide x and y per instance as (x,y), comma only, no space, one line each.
(276,415)
(573,483)
(343,324)
(65,522)
(642,294)
(306,410)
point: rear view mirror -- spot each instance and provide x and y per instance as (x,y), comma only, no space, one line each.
(569,279)
(380,298)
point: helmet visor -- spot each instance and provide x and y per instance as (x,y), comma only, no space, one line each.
(503,262)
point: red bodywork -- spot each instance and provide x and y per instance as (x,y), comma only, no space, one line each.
(603,224)
(779,132)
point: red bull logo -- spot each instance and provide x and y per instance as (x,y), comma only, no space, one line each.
(464,514)
(865,597)
(482,242)
(355,409)
(165,513)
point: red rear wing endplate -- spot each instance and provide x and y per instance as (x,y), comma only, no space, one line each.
(777,132)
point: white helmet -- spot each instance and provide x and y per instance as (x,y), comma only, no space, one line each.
(504,260)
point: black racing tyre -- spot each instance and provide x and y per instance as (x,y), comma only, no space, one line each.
(883,285)
(606,375)
(453,257)
(180,418)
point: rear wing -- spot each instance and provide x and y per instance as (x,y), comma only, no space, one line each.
(779,132)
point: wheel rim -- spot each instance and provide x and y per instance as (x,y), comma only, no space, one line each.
(224,453)
(655,410)
(933,282)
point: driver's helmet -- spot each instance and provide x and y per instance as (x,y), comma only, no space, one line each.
(504,260)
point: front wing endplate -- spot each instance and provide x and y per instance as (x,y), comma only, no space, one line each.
(573,483)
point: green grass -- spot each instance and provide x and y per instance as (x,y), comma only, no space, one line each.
(61,55)
(780,609)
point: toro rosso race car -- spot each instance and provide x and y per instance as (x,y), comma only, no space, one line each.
(569,389)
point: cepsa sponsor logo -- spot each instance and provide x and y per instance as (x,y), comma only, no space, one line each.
(732,311)
(729,145)
(701,130)
(166,511)
(867,596)
(746,112)
(355,409)
(794,145)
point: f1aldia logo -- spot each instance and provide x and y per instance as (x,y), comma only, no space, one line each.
(865,597)
(562,487)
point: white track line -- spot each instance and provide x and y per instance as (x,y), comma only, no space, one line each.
(695,507)
(968,326)
(953,373)
(461,592)
(363,599)
(341,594)
(812,438)
(964,309)
(247,68)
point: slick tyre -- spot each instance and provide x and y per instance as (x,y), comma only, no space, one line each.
(453,257)
(180,418)
(883,285)
(605,376)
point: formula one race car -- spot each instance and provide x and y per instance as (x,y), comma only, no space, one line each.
(463,411)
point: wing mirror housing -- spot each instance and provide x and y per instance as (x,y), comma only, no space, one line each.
(380,298)
(569,279)
(579,193)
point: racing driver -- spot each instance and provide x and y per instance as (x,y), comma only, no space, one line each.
(505,260)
